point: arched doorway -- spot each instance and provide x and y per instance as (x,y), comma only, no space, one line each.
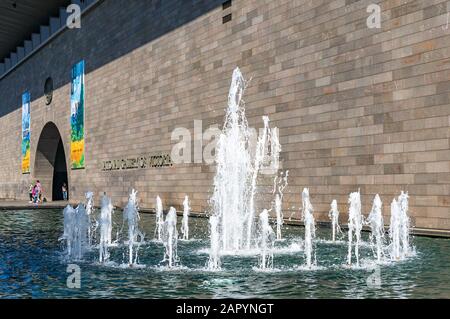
(50,166)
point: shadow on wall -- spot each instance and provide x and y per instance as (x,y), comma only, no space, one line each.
(107,33)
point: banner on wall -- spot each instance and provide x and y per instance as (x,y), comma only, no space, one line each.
(77,116)
(26,132)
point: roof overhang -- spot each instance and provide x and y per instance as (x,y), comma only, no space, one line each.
(19,19)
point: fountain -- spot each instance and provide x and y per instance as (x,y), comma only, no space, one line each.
(233,171)
(214,255)
(267,238)
(90,213)
(185,220)
(236,173)
(394,230)
(355,223)
(75,232)
(399,228)
(375,221)
(333,214)
(69,229)
(131,217)
(258,161)
(105,222)
(159,219)
(310,228)
(279,215)
(275,150)
(233,226)
(404,223)
(278,188)
(227,276)
(83,225)
(170,238)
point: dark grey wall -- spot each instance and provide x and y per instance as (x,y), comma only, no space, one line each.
(108,33)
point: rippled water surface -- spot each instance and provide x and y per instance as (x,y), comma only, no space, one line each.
(32,265)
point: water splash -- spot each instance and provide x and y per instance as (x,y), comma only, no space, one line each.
(83,225)
(333,214)
(310,227)
(233,173)
(258,161)
(291,247)
(399,228)
(76,225)
(131,217)
(355,223)
(170,238)
(69,230)
(105,222)
(267,239)
(279,214)
(280,183)
(90,211)
(214,254)
(185,220)
(394,230)
(159,219)
(404,223)
(275,150)
(376,223)
(233,199)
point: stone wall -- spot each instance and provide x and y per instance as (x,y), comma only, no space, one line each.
(356,107)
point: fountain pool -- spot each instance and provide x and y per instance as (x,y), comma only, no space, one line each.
(32,265)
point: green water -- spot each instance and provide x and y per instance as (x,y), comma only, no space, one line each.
(32,266)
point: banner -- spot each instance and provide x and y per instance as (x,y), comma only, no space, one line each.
(77,116)
(26,133)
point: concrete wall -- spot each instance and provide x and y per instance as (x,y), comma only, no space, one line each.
(356,107)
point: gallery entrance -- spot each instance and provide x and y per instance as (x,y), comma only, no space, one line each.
(50,163)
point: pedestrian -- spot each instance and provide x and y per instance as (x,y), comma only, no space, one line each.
(64,191)
(30,192)
(35,194)
(39,190)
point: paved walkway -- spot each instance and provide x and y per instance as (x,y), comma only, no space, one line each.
(16,204)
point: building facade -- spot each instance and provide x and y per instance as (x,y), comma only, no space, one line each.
(356,107)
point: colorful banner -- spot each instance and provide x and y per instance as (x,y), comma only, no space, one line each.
(26,133)
(77,116)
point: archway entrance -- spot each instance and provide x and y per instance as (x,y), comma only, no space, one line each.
(50,163)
